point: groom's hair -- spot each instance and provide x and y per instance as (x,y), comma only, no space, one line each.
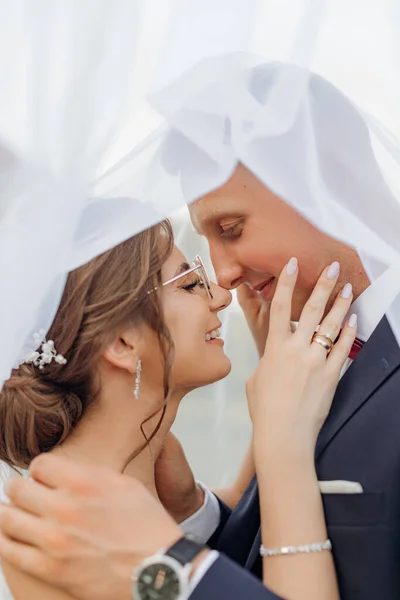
(40,408)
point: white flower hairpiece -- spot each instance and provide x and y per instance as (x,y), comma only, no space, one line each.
(47,352)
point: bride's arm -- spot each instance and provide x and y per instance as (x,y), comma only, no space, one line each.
(25,587)
(292,514)
(289,397)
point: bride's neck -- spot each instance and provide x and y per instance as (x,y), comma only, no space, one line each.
(110,433)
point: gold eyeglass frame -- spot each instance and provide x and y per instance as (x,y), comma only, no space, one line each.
(199,266)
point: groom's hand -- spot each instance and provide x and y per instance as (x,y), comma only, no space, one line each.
(175,482)
(256,310)
(82,529)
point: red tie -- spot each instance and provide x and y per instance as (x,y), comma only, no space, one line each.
(355,349)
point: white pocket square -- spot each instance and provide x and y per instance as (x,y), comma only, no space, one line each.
(340,487)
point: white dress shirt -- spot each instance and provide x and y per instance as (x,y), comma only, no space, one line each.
(370,308)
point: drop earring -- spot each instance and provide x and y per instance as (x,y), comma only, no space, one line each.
(136,391)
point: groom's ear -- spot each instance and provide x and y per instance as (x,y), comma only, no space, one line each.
(122,352)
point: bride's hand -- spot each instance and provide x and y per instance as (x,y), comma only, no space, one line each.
(291,390)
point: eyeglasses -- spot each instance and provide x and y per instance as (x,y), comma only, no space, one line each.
(197,266)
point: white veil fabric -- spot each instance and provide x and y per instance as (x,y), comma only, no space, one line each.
(78,143)
(114,115)
(299,135)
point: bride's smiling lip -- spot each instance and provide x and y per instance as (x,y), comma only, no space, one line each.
(217,341)
(264,289)
(218,326)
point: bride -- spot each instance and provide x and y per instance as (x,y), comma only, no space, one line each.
(135,325)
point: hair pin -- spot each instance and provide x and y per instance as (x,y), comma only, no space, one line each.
(46,353)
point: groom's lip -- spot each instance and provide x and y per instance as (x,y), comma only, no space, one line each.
(265,288)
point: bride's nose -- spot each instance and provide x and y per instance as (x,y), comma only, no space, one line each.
(221,298)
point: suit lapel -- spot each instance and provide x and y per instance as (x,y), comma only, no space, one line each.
(254,558)
(373,365)
(377,360)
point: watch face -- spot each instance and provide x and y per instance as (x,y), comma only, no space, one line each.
(158,582)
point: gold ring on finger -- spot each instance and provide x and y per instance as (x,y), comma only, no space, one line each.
(330,336)
(327,335)
(324,341)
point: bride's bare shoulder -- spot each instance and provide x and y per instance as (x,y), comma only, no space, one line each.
(25,587)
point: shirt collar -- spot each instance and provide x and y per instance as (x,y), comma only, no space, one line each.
(373,303)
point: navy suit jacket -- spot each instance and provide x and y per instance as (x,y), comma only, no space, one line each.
(360,441)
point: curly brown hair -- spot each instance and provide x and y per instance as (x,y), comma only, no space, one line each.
(40,408)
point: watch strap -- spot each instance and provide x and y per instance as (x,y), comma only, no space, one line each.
(185,550)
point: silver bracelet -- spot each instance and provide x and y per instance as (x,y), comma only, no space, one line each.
(317,547)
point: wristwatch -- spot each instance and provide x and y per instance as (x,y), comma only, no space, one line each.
(165,575)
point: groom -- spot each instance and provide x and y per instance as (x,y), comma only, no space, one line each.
(251,234)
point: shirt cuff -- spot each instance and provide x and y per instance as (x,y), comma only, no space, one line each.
(203,523)
(202,569)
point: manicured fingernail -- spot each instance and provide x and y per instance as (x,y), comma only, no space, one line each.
(291,267)
(333,270)
(347,290)
(353,320)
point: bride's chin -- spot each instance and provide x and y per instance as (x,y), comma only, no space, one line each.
(214,373)
(221,371)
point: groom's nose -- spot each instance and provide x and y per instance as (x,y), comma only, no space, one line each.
(229,273)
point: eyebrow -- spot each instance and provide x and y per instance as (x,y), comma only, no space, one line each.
(184,266)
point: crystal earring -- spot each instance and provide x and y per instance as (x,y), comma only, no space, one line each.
(137,381)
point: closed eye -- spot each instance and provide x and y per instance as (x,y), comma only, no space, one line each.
(232,232)
(192,285)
